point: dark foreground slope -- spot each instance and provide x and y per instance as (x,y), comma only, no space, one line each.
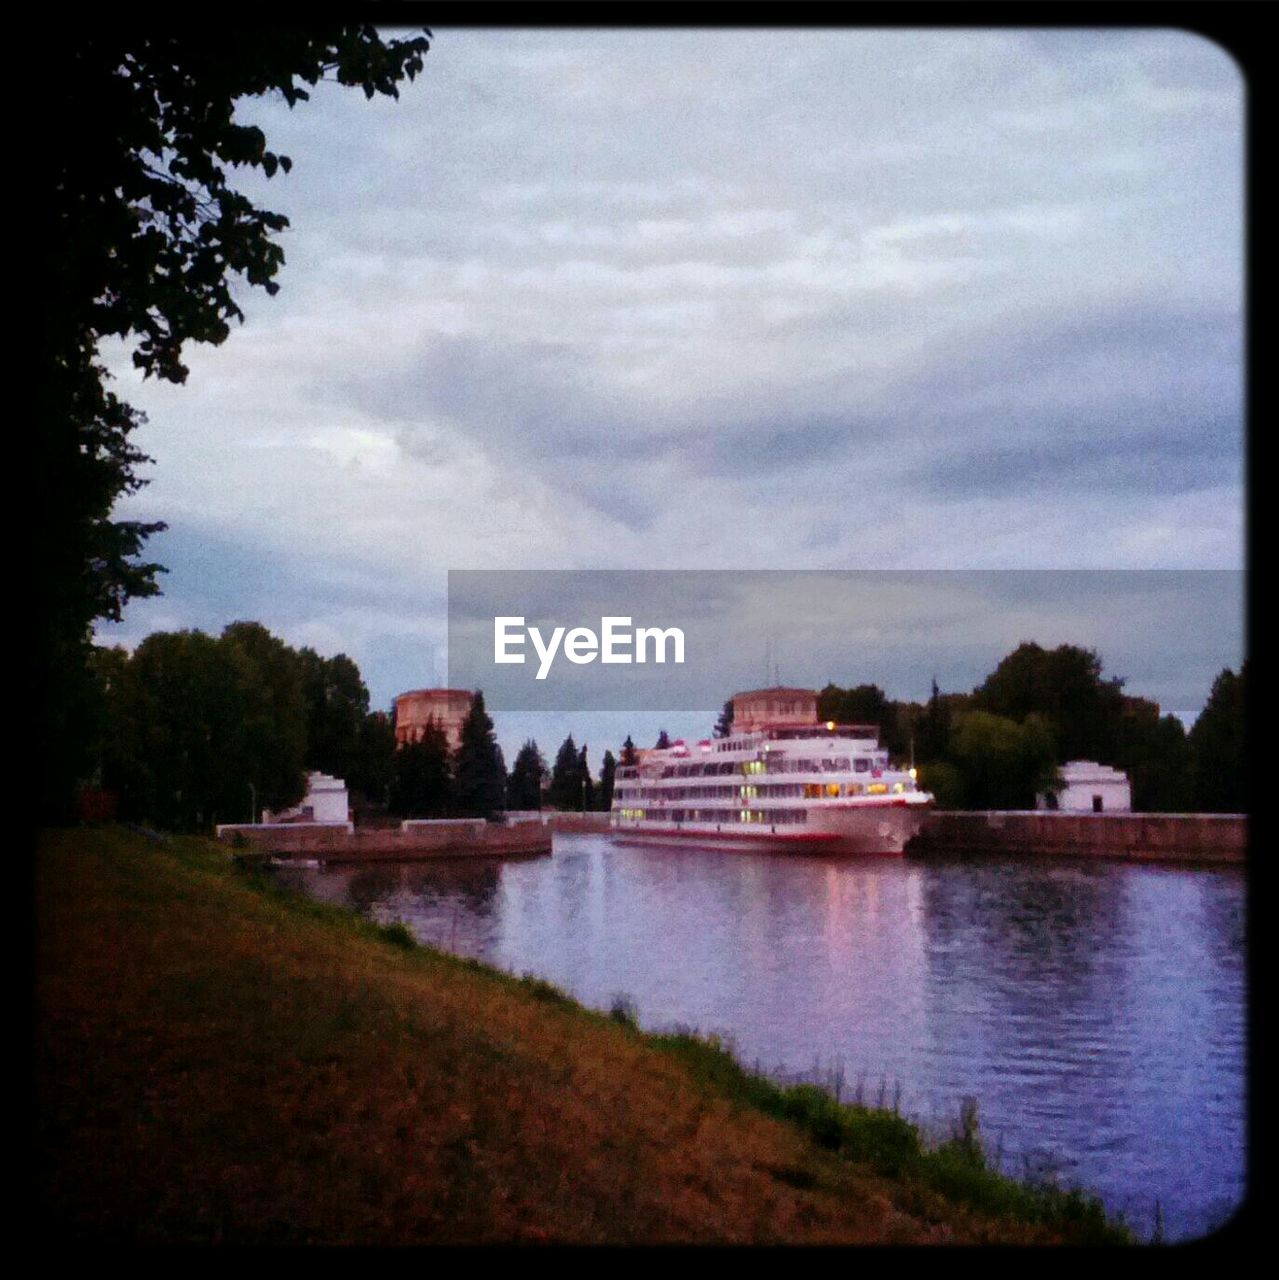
(218,1061)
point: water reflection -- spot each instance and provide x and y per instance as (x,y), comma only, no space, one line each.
(1095,1010)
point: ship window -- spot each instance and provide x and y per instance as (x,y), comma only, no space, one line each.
(861,765)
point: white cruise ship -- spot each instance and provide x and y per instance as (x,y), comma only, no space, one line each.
(780,780)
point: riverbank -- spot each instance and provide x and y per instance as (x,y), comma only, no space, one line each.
(220,1061)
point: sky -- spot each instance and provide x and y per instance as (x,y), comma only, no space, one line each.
(722,299)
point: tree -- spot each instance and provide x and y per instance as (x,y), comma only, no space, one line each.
(423,784)
(146,240)
(374,770)
(608,775)
(1065,686)
(1005,765)
(945,782)
(479,772)
(663,741)
(337,703)
(629,755)
(1156,754)
(724,725)
(566,784)
(867,704)
(268,746)
(201,730)
(1218,739)
(524,786)
(933,727)
(585,784)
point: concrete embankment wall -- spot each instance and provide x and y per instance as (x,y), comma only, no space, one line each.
(1153,837)
(577,821)
(413,843)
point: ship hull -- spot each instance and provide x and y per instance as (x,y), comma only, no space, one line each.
(879,830)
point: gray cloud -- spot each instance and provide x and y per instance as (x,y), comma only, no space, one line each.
(721,298)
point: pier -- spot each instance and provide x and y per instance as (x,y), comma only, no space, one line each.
(412,841)
(1145,837)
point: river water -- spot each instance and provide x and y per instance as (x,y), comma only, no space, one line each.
(1095,1011)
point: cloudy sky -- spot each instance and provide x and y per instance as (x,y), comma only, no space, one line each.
(718,299)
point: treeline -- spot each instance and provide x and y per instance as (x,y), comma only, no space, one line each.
(1002,744)
(433,783)
(192,729)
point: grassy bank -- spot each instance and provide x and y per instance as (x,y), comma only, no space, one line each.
(217,1060)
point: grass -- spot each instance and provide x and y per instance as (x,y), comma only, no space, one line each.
(221,1061)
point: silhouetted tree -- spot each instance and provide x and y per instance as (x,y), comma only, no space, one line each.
(479,785)
(1218,739)
(1156,754)
(524,786)
(269,745)
(629,755)
(337,702)
(585,784)
(200,730)
(724,725)
(608,777)
(663,741)
(933,727)
(865,704)
(1065,686)
(145,241)
(374,770)
(423,786)
(566,785)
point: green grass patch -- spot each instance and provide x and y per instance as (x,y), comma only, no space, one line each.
(958,1169)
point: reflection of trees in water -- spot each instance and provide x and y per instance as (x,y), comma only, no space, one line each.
(1026,971)
(1224,915)
(1021,927)
(473,884)
(371,885)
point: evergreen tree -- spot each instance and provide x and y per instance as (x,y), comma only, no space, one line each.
(608,775)
(663,740)
(1219,742)
(374,771)
(524,786)
(479,786)
(1156,755)
(566,786)
(423,785)
(933,727)
(629,755)
(724,725)
(585,786)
